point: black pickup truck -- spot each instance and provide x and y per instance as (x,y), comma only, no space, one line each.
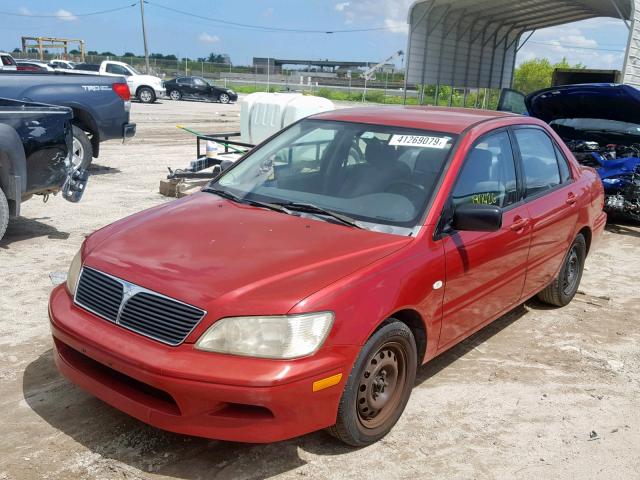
(100,105)
(35,156)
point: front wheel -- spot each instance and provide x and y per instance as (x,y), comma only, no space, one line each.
(4,214)
(146,95)
(564,287)
(378,387)
(175,95)
(224,98)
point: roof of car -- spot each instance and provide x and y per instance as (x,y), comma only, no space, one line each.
(440,119)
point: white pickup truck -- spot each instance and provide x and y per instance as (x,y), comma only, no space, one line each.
(145,88)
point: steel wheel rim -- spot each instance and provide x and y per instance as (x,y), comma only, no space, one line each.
(174,95)
(381,385)
(78,153)
(145,96)
(224,98)
(572,271)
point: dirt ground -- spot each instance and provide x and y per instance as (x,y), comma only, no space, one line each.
(540,393)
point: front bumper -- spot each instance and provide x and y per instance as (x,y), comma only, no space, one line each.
(160,92)
(196,393)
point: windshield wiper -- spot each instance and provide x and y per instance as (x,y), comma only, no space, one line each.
(316,210)
(234,198)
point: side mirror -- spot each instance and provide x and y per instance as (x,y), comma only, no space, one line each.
(477,218)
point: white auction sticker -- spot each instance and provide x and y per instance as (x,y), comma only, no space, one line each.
(419,141)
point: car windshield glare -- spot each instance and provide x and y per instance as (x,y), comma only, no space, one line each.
(381,176)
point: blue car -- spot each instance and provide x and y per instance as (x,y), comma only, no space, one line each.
(600,123)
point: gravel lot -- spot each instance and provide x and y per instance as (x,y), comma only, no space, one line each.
(540,393)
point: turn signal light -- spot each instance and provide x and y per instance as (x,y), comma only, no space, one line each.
(327,382)
(122,90)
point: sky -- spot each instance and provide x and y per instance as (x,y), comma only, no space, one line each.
(597,43)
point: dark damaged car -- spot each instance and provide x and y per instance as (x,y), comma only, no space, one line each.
(35,156)
(600,123)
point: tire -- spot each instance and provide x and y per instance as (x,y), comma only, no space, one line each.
(224,98)
(378,387)
(175,95)
(146,95)
(564,287)
(82,149)
(4,214)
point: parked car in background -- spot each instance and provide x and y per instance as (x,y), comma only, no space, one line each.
(198,88)
(313,277)
(63,64)
(600,124)
(33,66)
(35,156)
(7,62)
(100,105)
(145,88)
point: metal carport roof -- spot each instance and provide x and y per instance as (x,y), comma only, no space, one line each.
(473,43)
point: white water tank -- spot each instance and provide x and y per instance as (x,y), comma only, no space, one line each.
(264,114)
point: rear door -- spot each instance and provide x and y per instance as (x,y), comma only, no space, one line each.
(551,195)
(485,272)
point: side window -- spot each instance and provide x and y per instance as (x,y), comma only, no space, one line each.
(539,160)
(488,176)
(565,173)
(117,69)
(305,154)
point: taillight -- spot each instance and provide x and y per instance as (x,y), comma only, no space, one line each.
(122,90)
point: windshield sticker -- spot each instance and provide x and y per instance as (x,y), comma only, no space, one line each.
(419,141)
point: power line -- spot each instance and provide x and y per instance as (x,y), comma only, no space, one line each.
(229,23)
(577,47)
(70,14)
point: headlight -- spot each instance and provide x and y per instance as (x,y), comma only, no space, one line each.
(288,336)
(74,273)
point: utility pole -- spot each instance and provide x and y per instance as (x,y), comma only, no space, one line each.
(144,37)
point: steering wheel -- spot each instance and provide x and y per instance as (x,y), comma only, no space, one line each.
(413,192)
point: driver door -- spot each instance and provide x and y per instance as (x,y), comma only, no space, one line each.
(485,271)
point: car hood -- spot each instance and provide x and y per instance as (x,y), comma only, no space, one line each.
(599,100)
(233,259)
(148,79)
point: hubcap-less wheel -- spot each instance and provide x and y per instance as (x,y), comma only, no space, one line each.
(224,98)
(175,95)
(571,272)
(381,385)
(78,153)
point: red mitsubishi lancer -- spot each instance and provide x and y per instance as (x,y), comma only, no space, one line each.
(302,288)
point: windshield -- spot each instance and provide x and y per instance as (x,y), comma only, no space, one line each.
(380,176)
(133,70)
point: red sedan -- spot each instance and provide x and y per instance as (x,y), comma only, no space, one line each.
(303,287)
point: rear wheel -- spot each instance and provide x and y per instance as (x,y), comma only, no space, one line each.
(82,149)
(378,387)
(564,287)
(224,98)
(146,95)
(4,214)
(175,95)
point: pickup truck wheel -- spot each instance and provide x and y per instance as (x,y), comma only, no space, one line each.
(82,149)
(4,214)
(224,98)
(146,95)
(175,95)
(378,387)
(564,287)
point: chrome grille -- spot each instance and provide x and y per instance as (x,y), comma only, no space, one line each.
(100,294)
(136,308)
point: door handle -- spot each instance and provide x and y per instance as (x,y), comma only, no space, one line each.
(519,224)
(571,199)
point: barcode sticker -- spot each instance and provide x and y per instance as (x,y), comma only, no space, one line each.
(419,141)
